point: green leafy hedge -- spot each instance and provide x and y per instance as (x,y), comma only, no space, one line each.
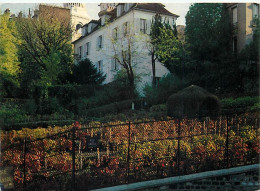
(11,114)
(241,102)
(112,108)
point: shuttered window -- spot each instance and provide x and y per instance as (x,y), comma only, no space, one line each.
(143,25)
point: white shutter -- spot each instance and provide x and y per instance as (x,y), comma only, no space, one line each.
(85,50)
(148,24)
(234,14)
(137,25)
(98,40)
(89,48)
(96,65)
(101,66)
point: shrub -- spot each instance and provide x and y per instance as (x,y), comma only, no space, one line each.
(193,101)
(30,107)
(241,102)
(11,114)
(109,109)
(167,85)
(158,108)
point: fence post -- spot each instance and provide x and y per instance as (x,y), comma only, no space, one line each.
(227,142)
(128,150)
(24,164)
(73,159)
(178,151)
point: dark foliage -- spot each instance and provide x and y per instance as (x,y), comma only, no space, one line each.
(86,73)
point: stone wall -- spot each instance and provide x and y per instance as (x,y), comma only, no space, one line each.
(243,181)
(244,178)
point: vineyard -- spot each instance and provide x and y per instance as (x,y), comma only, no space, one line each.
(95,155)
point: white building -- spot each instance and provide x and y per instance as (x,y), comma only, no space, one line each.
(79,17)
(118,23)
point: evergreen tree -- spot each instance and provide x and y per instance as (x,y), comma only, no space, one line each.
(86,73)
(165,45)
(208,37)
(154,41)
(208,31)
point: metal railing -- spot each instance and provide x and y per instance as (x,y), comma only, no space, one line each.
(97,155)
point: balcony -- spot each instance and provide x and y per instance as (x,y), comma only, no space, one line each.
(255,22)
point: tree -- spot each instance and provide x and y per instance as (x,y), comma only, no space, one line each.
(86,73)
(153,42)
(159,45)
(248,62)
(208,39)
(170,50)
(45,47)
(126,51)
(9,64)
(208,31)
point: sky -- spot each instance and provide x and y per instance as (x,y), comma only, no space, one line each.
(93,9)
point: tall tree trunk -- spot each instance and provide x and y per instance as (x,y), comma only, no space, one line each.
(153,69)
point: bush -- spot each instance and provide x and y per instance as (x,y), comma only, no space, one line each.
(158,108)
(241,102)
(109,109)
(11,114)
(30,107)
(167,85)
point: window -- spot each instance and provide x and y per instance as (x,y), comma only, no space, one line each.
(125,28)
(87,48)
(78,26)
(234,16)
(255,11)
(143,26)
(80,52)
(99,42)
(255,14)
(126,7)
(100,66)
(119,10)
(114,35)
(114,65)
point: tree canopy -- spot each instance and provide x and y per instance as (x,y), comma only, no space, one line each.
(9,63)
(208,31)
(45,46)
(86,73)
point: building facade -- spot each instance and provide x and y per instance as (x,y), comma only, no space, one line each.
(119,27)
(243,18)
(75,13)
(79,17)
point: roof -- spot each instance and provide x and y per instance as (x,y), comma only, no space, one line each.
(153,7)
(148,7)
(93,30)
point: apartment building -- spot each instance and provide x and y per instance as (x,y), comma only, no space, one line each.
(243,18)
(102,39)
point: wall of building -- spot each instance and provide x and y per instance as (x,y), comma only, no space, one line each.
(244,30)
(79,15)
(140,58)
(62,14)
